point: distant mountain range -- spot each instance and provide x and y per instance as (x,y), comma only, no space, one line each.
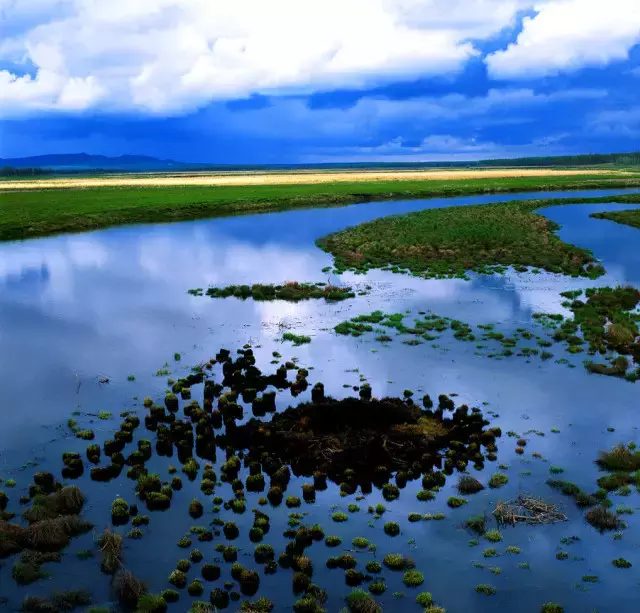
(85,161)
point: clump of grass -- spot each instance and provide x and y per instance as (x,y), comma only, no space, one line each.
(601,518)
(360,601)
(424,599)
(486,589)
(392,528)
(551,607)
(127,588)
(360,542)
(476,523)
(413,578)
(494,536)
(620,458)
(396,561)
(425,495)
(296,339)
(378,587)
(455,502)
(339,516)
(621,563)
(333,541)
(469,485)
(390,492)
(110,544)
(498,480)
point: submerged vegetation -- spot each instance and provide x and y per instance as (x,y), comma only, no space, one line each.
(606,320)
(292,291)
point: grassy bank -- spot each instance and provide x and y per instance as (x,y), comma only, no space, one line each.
(628,218)
(450,241)
(32,213)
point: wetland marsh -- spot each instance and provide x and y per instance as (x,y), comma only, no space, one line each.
(281,475)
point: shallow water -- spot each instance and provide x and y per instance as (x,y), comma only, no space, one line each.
(113,303)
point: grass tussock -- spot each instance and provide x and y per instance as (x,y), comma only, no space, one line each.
(620,458)
(127,588)
(110,544)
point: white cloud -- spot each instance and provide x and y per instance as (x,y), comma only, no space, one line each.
(368,115)
(569,34)
(442,148)
(170,56)
(623,122)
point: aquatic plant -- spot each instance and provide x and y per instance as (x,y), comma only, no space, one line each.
(195,588)
(219,598)
(390,492)
(476,523)
(601,518)
(359,601)
(127,588)
(353,577)
(296,339)
(551,607)
(621,563)
(178,578)
(469,485)
(455,502)
(360,542)
(498,480)
(293,502)
(413,578)
(486,589)
(396,561)
(620,458)
(392,528)
(230,530)
(183,565)
(378,587)
(195,508)
(339,516)
(110,544)
(493,536)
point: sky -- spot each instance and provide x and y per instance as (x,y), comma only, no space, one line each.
(307,81)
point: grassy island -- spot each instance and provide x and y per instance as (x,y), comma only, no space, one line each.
(448,242)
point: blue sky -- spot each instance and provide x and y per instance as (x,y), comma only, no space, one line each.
(249,81)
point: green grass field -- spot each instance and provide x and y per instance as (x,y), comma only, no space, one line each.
(31,213)
(628,218)
(450,241)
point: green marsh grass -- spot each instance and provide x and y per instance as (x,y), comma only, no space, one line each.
(30,213)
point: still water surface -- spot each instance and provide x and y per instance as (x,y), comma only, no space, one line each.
(76,308)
